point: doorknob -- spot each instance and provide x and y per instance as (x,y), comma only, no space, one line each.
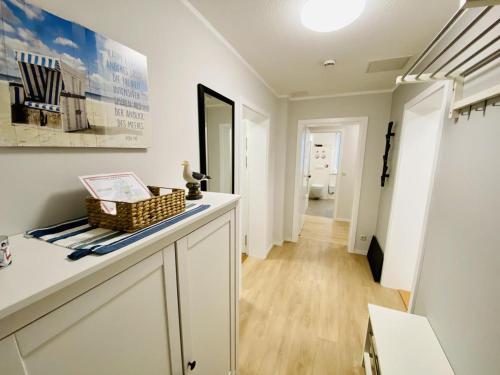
(191,365)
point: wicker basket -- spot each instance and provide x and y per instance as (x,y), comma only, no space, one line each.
(131,217)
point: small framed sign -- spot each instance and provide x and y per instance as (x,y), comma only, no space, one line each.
(122,187)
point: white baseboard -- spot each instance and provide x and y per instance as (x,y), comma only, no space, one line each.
(279,243)
(359,252)
(342,219)
(269,249)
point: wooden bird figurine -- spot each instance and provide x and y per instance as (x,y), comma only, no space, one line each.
(193,177)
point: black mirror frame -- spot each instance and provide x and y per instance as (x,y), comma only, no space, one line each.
(202,90)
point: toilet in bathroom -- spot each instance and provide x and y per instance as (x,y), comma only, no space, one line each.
(316,191)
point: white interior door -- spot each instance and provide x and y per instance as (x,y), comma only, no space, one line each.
(244,191)
(346,179)
(257,172)
(306,174)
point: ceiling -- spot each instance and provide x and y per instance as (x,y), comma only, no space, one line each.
(269,35)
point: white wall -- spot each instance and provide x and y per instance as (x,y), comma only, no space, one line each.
(459,281)
(345,196)
(40,186)
(374,106)
(419,141)
(459,277)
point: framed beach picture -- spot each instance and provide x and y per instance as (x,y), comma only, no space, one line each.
(64,85)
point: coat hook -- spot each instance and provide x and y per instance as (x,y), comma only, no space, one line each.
(482,108)
(468,115)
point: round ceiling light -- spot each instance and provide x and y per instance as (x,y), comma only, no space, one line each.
(329,15)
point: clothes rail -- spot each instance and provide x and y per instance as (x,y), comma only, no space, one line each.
(457,38)
(467,60)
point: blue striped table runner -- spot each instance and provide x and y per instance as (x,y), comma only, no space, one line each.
(84,239)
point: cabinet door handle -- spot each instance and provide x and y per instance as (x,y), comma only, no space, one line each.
(191,365)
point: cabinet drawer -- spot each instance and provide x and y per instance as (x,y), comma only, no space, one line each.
(10,361)
(119,327)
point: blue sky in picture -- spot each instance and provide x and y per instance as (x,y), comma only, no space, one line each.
(29,28)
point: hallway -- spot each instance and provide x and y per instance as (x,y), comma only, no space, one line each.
(321,207)
(304,309)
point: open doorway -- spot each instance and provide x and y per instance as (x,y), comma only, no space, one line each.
(324,166)
(421,131)
(254,182)
(342,142)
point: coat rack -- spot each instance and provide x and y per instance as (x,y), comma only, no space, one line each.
(385,168)
(473,58)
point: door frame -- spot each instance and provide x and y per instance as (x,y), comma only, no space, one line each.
(336,121)
(446,87)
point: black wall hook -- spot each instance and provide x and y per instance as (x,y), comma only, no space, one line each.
(385,168)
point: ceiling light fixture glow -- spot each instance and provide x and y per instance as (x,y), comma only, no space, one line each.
(329,15)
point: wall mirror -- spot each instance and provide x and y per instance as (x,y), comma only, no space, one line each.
(216,132)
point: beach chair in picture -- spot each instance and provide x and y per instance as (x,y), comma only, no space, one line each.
(73,99)
(16,101)
(49,86)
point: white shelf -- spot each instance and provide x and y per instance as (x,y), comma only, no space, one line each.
(479,97)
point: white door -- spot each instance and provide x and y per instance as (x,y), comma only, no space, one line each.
(346,179)
(305,171)
(257,172)
(254,184)
(420,137)
(244,190)
(206,294)
(117,328)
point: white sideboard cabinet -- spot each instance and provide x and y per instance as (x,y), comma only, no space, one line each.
(171,312)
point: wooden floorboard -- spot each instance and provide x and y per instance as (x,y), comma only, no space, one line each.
(405,296)
(304,309)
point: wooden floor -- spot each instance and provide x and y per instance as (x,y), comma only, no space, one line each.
(304,309)
(321,207)
(405,296)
